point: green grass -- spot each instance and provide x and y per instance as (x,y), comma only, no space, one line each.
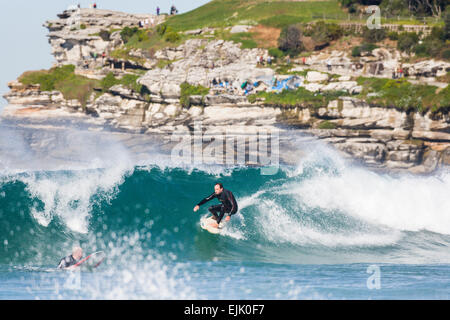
(151,41)
(123,53)
(399,94)
(293,98)
(74,86)
(188,90)
(327,125)
(222,13)
(129,81)
(404,96)
(62,79)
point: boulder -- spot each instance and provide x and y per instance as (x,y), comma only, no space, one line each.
(315,76)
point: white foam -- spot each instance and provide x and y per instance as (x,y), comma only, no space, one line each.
(403,203)
(279,226)
(68,196)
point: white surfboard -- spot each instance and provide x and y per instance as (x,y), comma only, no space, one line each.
(210,225)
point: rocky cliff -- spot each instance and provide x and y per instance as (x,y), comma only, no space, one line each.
(380,137)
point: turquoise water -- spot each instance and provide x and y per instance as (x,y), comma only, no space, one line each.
(318,230)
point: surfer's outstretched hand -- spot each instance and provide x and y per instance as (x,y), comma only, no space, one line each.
(196,208)
(227,218)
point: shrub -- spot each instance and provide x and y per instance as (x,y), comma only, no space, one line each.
(437,33)
(161,29)
(172,37)
(276,53)
(299,97)
(130,81)
(290,40)
(48,79)
(127,33)
(323,32)
(429,47)
(374,35)
(365,47)
(108,81)
(327,125)
(447,24)
(421,49)
(82,26)
(63,79)
(105,35)
(407,41)
(356,51)
(392,35)
(188,90)
(446,54)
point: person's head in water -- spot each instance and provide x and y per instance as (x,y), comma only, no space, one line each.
(218,188)
(77,253)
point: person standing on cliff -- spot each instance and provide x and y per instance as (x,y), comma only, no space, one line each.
(157,11)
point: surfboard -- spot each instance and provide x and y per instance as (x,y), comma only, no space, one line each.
(90,262)
(210,225)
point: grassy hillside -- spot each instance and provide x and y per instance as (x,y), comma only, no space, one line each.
(74,86)
(221,13)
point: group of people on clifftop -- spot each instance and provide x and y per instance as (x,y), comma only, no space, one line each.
(173,9)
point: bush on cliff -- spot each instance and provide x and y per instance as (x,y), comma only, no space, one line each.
(403,95)
(188,90)
(364,48)
(127,33)
(374,35)
(407,41)
(105,35)
(63,79)
(299,97)
(129,81)
(323,32)
(447,24)
(48,79)
(172,37)
(434,45)
(290,40)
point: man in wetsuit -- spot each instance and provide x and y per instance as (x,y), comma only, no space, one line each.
(68,261)
(228,203)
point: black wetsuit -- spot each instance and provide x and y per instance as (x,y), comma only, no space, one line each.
(67,262)
(228,204)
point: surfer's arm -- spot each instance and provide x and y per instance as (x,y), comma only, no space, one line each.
(64,263)
(233,203)
(208,198)
(61,264)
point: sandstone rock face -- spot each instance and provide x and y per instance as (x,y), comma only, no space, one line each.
(74,36)
(379,137)
(199,61)
(386,138)
(314,76)
(240,28)
(427,68)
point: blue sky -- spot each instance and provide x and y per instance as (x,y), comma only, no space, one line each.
(24,42)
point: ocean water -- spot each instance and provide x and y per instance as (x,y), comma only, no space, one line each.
(320,229)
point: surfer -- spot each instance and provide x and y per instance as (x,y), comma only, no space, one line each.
(68,261)
(228,203)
